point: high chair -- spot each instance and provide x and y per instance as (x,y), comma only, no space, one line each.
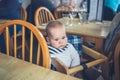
(97,58)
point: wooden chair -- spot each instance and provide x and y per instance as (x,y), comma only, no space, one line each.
(62,10)
(98,59)
(43,16)
(117,62)
(111,42)
(113,56)
(38,49)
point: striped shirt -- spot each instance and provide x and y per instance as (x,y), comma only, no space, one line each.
(68,55)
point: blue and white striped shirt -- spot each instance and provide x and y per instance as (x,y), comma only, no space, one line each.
(68,55)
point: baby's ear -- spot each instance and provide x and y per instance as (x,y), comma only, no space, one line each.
(47,38)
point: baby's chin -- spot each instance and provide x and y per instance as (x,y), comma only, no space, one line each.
(59,47)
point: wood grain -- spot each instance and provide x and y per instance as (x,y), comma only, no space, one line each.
(15,69)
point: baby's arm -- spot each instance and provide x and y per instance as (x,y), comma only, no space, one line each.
(75,57)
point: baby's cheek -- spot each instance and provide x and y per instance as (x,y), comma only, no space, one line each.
(66,41)
(56,45)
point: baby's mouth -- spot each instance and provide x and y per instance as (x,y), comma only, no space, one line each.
(62,46)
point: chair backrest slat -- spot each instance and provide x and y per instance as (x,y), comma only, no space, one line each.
(47,19)
(31,46)
(15,52)
(23,42)
(38,54)
(42,20)
(7,40)
(39,21)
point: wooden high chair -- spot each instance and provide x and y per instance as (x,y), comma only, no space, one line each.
(98,59)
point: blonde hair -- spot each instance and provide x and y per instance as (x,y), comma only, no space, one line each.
(52,24)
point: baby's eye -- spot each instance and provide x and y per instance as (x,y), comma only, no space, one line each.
(56,39)
(63,37)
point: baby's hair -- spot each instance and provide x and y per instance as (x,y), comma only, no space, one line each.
(52,24)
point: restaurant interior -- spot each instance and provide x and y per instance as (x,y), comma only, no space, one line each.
(29,51)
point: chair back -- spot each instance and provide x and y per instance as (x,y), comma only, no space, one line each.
(43,16)
(115,29)
(111,42)
(114,56)
(62,10)
(117,61)
(38,49)
(23,13)
(115,22)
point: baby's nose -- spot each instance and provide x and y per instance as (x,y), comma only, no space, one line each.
(61,42)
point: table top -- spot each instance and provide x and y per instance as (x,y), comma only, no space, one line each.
(15,69)
(99,30)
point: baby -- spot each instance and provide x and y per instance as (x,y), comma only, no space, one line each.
(58,45)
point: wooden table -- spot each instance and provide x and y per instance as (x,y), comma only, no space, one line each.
(91,32)
(15,69)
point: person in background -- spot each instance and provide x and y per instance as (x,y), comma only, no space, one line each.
(58,45)
(9,10)
(35,4)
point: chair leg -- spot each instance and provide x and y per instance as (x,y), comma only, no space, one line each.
(116,67)
(105,70)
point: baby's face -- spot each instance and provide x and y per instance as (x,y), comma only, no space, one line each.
(58,37)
